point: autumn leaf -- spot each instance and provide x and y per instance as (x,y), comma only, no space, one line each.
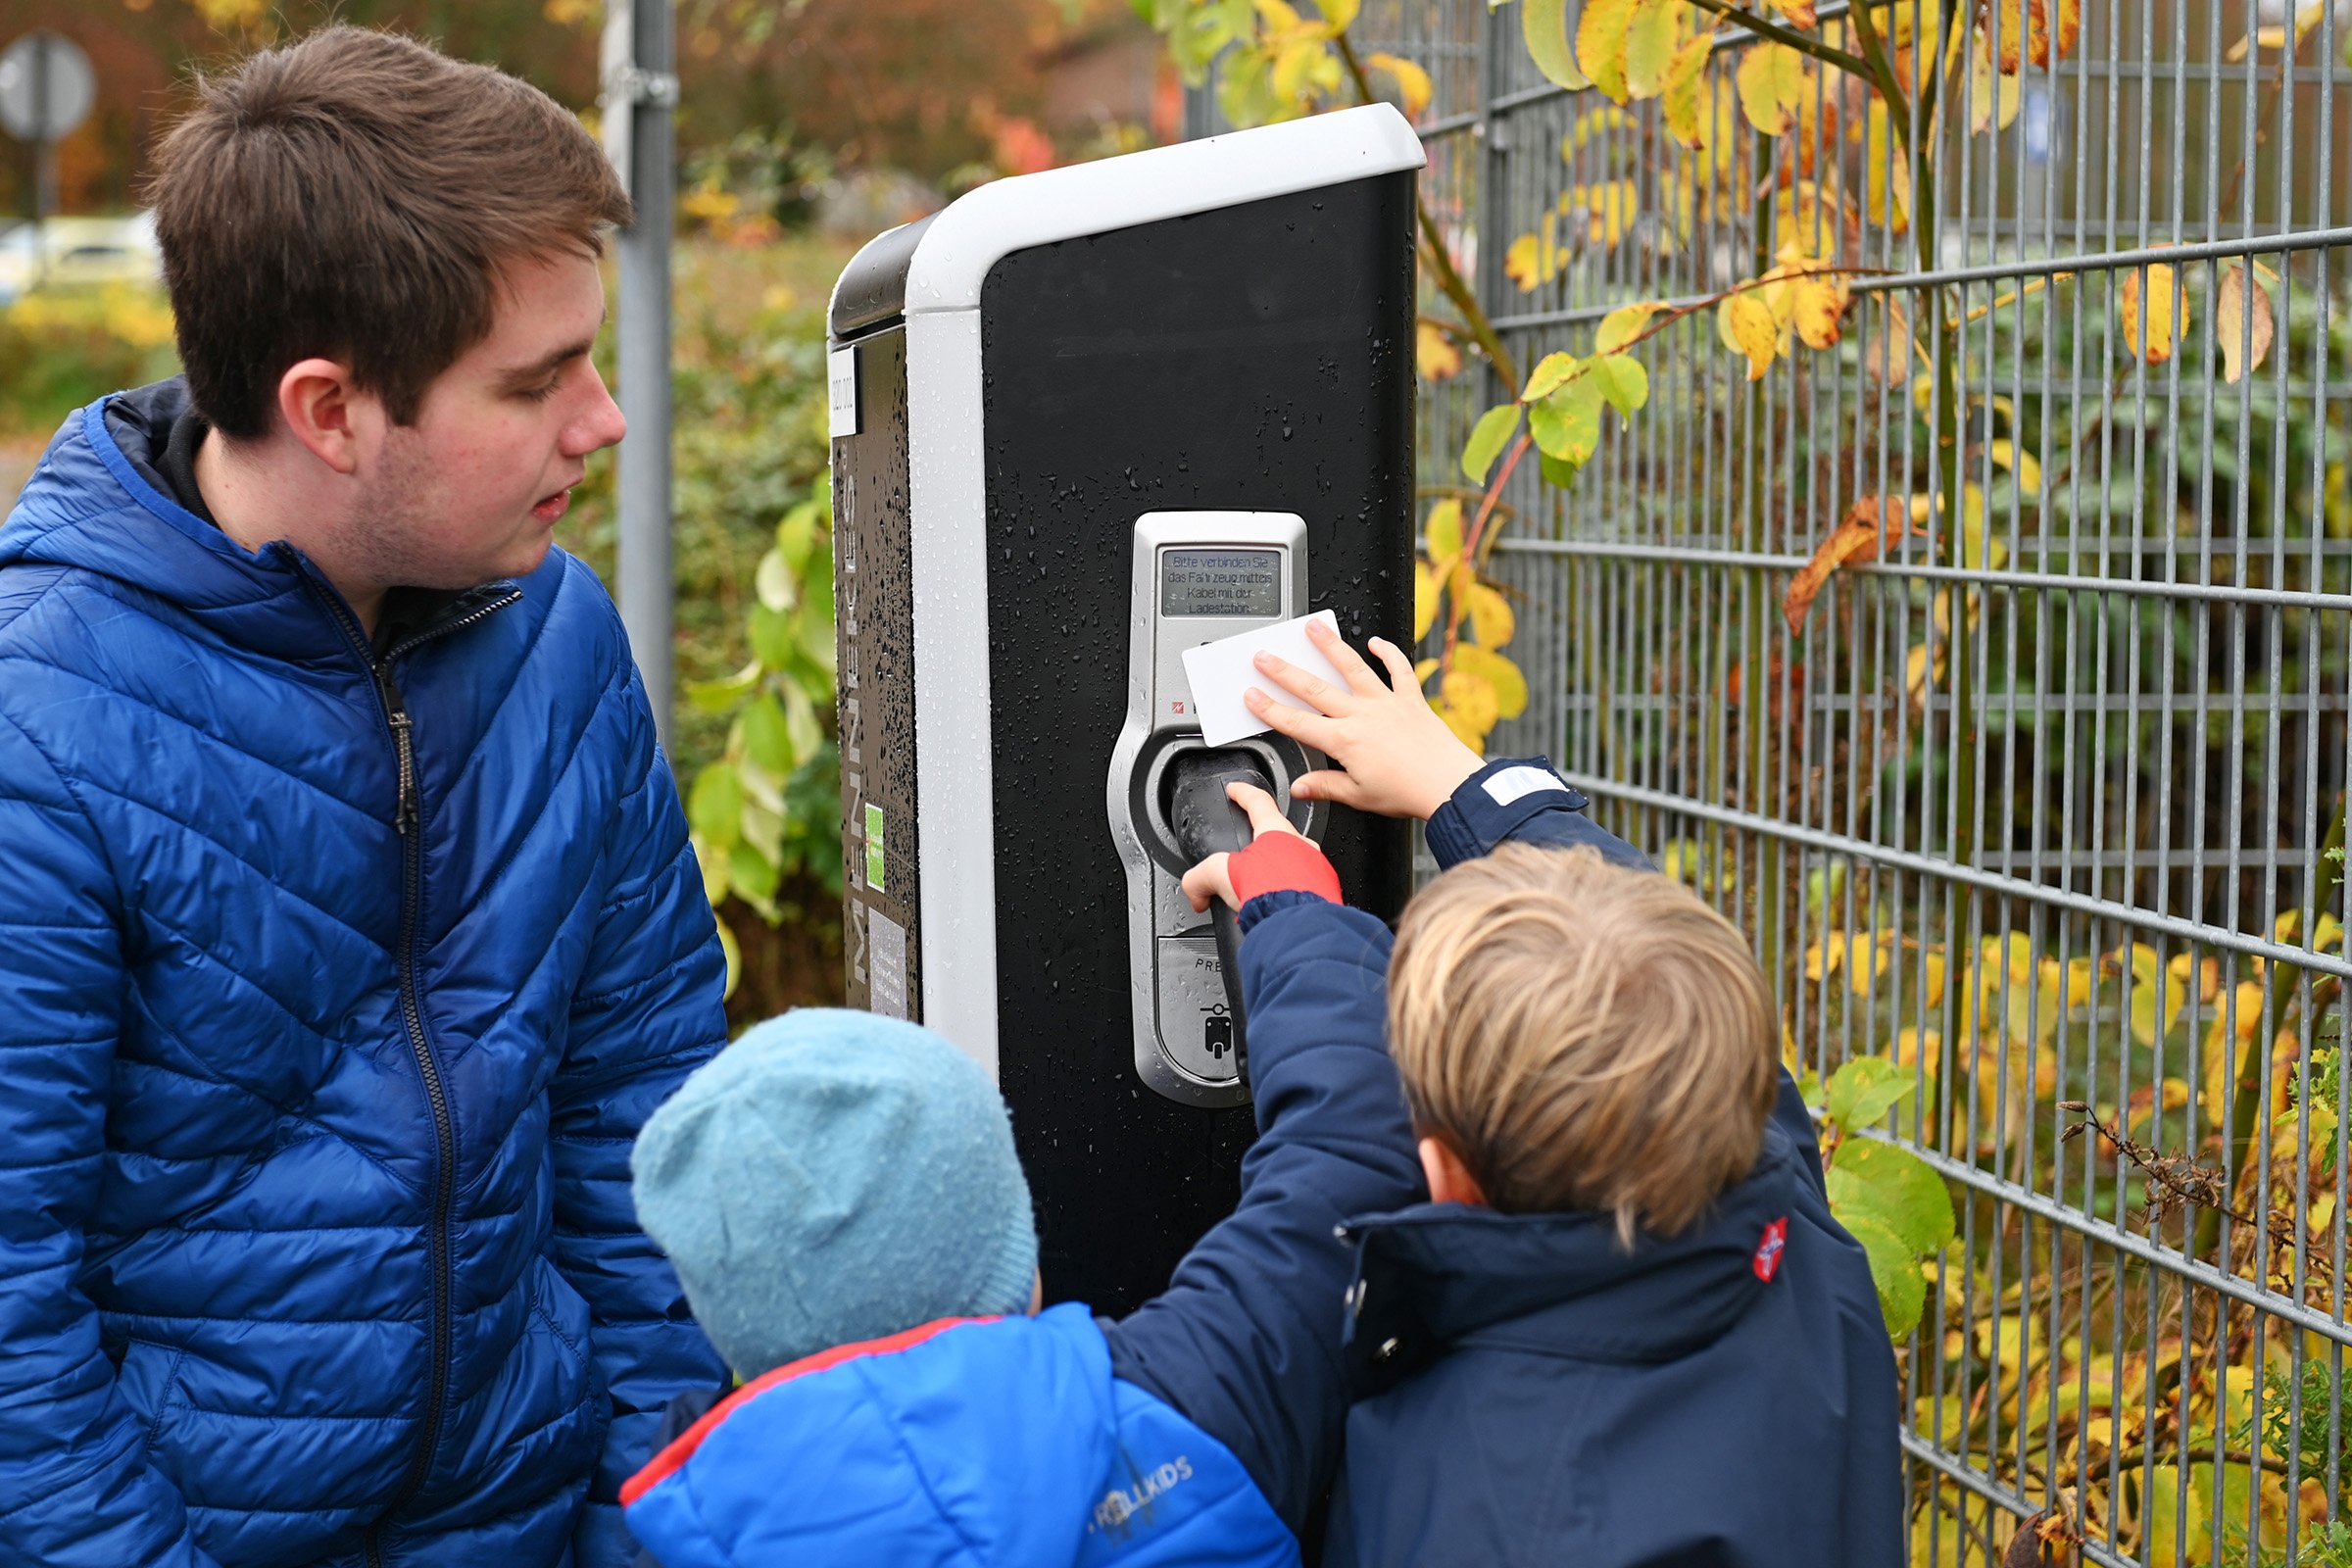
(1821,302)
(1856,538)
(1745,326)
(1491,621)
(1501,676)
(2047,31)
(1994,96)
(1470,702)
(1887,357)
(1771,83)
(1444,531)
(1534,259)
(1600,44)
(1685,91)
(1888,168)
(1623,384)
(1550,372)
(1650,45)
(2165,317)
(2274,36)
(1543,26)
(1567,424)
(2243,320)
(1412,82)
(1435,355)
(2023,464)
(1623,326)
(1608,210)
(1798,13)
(1495,428)
(1425,598)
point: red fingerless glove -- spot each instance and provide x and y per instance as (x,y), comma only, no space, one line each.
(1280,863)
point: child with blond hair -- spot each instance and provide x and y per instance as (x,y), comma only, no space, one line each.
(1626,1329)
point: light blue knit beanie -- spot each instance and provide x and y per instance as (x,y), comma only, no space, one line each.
(833,1177)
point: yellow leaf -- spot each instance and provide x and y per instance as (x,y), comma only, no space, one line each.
(1543,25)
(1444,531)
(1412,82)
(1423,669)
(1435,355)
(1425,598)
(1820,306)
(1337,16)
(1297,66)
(1857,537)
(1772,80)
(1601,40)
(2243,321)
(1470,700)
(1887,357)
(1745,326)
(1685,91)
(2023,464)
(1607,208)
(1280,17)
(1490,619)
(1887,182)
(1650,45)
(1993,97)
(2152,336)
(1501,676)
(2274,36)
(1534,259)
(1551,373)
(2040,30)
(1622,325)
(1799,12)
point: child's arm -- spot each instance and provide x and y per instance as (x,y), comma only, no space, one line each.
(1246,1340)
(1398,758)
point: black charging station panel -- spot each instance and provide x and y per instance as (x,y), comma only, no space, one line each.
(1254,357)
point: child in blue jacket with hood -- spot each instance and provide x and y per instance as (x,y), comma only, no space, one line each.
(1625,1330)
(840,1198)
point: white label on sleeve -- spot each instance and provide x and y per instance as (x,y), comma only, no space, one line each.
(1514,783)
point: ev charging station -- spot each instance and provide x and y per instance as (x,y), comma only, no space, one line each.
(1083,420)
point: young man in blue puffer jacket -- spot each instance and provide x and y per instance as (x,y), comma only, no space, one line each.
(840,1196)
(1627,1330)
(348,924)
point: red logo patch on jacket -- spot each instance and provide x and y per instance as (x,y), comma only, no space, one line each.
(1769,1249)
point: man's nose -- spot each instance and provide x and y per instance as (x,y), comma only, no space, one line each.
(602,426)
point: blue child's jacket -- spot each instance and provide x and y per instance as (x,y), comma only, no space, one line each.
(1201,1429)
(1529,1393)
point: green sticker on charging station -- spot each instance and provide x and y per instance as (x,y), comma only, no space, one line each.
(874,846)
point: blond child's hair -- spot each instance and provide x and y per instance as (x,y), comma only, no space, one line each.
(1581,1037)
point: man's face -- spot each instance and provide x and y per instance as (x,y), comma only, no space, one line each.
(471,491)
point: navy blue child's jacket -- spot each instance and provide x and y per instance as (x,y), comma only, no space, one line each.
(1529,1395)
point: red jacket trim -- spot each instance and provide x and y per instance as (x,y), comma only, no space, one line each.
(671,1459)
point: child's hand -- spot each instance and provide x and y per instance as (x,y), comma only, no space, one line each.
(1401,759)
(1212,878)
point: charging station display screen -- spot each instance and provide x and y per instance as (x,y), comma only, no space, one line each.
(1220,582)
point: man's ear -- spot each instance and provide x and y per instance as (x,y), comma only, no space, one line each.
(1449,1180)
(327,413)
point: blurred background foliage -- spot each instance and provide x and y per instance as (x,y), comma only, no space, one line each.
(806,127)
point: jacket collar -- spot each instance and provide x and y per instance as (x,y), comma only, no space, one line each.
(1441,1276)
(97,503)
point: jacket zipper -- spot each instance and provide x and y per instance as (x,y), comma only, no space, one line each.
(407,822)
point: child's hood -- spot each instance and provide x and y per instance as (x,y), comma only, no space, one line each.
(995,1441)
(1431,1277)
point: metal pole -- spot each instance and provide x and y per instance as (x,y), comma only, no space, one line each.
(645,564)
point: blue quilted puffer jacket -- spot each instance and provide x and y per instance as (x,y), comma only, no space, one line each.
(319,1072)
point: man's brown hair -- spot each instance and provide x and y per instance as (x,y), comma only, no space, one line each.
(354,196)
(1582,1037)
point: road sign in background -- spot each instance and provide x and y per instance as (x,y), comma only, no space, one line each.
(47,88)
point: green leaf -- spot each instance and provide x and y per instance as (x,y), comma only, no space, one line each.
(1863,1090)
(774,582)
(718,696)
(1567,424)
(1550,372)
(714,805)
(1894,1187)
(1622,325)
(800,722)
(1622,382)
(1543,24)
(734,957)
(1557,470)
(772,636)
(1894,1270)
(1494,427)
(752,875)
(768,737)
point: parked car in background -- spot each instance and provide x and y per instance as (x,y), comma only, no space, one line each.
(79,252)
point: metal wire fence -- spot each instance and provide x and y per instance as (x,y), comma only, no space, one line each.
(2046,806)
